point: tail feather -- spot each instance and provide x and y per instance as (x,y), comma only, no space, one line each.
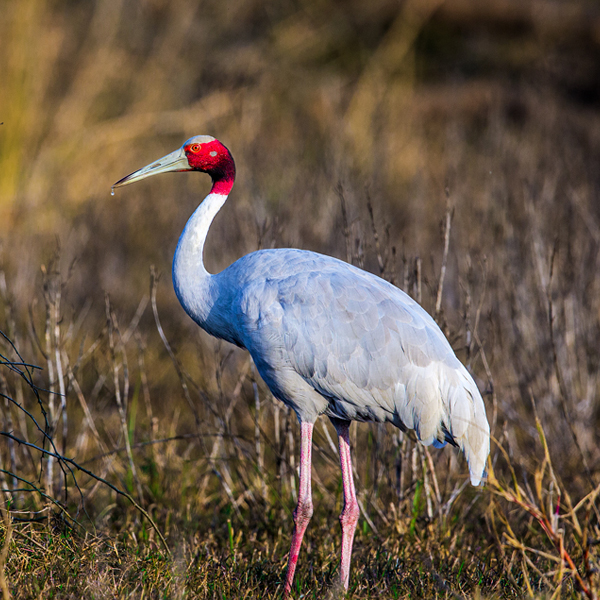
(442,404)
(470,427)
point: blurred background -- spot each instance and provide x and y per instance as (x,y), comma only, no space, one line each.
(357,129)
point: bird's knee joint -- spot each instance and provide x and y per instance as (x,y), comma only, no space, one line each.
(303,512)
(350,515)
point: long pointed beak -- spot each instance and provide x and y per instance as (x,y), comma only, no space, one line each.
(176,161)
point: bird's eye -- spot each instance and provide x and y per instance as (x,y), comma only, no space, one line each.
(195,147)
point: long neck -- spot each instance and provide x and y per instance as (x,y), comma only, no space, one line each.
(190,277)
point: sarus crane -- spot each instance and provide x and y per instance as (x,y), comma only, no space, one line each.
(328,339)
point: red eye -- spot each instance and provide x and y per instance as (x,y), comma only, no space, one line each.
(195,147)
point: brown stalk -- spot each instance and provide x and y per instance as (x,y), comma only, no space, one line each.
(518,497)
(4,552)
(564,394)
(121,401)
(447,225)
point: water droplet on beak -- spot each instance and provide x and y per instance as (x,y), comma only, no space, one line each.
(112,191)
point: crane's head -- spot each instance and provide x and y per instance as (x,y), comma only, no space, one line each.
(200,153)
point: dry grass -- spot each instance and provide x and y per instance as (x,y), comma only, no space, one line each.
(453,152)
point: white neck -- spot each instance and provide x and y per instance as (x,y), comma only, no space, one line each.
(190,278)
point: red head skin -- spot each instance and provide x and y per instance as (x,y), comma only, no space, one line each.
(216,160)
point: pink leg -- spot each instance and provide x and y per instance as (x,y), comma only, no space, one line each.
(349,516)
(304,509)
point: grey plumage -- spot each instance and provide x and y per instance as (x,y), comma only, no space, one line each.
(328,339)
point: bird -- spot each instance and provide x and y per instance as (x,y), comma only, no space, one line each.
(328,339)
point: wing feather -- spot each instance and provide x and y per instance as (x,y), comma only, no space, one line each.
(365,346)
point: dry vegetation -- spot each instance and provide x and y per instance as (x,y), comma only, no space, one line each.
(141,458)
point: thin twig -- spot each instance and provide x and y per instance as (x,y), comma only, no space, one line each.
(77,466)
(564,394)
(447,225)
